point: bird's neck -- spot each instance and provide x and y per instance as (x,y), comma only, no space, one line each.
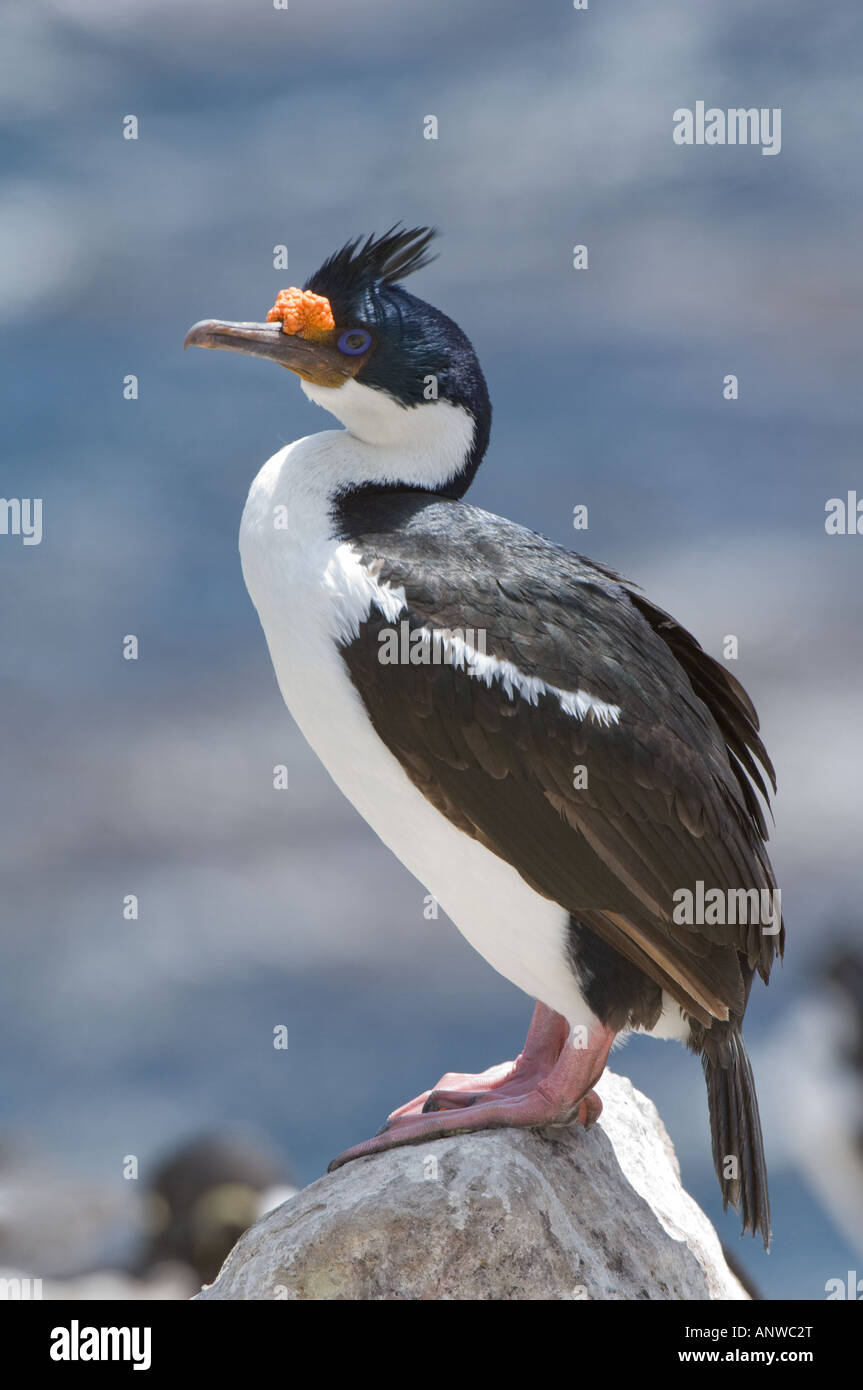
(299,490)
(303,496)
(434,445)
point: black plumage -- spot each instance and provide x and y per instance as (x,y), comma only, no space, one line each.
(667,804)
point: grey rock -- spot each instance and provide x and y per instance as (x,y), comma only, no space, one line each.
(501,1214)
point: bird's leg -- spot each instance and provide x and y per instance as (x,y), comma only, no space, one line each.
(550,1083)
(545,1039)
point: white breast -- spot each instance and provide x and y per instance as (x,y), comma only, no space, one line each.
(311,592)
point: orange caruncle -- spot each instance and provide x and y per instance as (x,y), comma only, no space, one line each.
(302,312)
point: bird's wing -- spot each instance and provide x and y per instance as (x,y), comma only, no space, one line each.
(668,801)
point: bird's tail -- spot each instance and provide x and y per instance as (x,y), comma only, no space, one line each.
(735,1127)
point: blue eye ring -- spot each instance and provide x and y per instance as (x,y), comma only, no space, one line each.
(354,341)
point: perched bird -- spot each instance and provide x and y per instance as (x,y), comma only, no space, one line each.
(552,756)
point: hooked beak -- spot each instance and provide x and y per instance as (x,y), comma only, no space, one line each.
(313,361)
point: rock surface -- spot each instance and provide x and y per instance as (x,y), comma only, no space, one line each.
(500,1214)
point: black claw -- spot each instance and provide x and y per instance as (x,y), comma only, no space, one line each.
(432,1107)
(383,1129)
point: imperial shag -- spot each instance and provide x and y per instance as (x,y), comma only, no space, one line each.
(552,756)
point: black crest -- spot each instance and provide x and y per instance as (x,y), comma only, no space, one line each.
(412,340)
(368,265)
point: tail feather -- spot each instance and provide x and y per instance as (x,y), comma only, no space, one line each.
(735,1127)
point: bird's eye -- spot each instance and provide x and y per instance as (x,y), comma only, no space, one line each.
(354,341)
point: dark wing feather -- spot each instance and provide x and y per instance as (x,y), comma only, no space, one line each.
(668,801)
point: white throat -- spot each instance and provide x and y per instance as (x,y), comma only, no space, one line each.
(423,445)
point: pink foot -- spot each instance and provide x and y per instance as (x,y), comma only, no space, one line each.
(550,1083)
(545,1040)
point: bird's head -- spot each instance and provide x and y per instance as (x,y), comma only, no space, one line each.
(397,372)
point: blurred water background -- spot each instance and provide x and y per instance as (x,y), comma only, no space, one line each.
(260,127)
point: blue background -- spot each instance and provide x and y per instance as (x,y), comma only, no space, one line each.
(259,127)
